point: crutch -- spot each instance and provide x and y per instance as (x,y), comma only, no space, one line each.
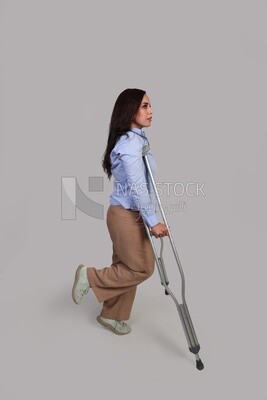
(182,308)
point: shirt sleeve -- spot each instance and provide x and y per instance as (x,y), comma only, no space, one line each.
(134,168)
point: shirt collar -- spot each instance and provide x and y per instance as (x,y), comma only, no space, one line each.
(138,131)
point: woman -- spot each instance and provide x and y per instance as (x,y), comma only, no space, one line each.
(132,205)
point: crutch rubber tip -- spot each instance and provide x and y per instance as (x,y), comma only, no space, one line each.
(200,364)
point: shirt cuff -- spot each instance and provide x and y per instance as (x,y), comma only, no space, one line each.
(151,220)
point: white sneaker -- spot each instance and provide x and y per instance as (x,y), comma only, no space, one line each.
(81,285)
(118,327)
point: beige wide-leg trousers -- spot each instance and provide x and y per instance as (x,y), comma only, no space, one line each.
(133,262)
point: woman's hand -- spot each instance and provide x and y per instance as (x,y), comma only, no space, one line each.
(159,230)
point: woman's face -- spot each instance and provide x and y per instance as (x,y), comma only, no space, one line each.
(143,117)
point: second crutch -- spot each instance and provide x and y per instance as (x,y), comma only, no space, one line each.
(182,308)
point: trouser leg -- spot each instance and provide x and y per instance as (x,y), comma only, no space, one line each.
(119,307)
(133,262)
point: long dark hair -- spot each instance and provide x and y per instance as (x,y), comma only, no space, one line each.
(124,111)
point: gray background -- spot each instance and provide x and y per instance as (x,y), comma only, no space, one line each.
(203,64)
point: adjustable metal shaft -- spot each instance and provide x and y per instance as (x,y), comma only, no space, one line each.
(182,308)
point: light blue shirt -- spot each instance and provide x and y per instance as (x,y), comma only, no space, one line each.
(132,185)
